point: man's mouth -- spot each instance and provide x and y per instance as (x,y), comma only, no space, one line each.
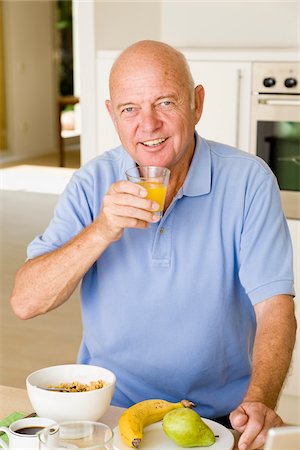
(154,142)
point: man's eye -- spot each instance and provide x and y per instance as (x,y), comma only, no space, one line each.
(128,110)
(166,104)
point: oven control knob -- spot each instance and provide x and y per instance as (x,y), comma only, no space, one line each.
(269,82)
(290,82)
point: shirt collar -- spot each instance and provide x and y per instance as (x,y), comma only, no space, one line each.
(198,179)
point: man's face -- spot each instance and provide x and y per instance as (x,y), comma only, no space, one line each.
(153,115)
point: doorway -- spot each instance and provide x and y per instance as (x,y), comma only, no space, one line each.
(68,101)
(37,49)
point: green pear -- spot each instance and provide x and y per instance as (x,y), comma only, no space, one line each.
(186,428)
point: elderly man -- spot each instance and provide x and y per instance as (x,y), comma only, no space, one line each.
(197,304)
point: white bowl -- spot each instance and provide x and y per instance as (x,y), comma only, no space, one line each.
(64,406)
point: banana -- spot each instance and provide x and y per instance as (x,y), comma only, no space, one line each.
(138,416)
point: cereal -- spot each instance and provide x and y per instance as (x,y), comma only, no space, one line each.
(75,386)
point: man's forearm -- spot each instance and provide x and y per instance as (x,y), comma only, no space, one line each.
(273,348)
(47,281)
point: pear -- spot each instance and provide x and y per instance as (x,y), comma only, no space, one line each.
(186,428)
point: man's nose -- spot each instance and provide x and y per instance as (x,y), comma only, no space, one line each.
(149,120)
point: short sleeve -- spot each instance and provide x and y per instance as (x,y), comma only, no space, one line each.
(72,213)
(266,260)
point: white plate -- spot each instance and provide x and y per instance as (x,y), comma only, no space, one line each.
(155,439)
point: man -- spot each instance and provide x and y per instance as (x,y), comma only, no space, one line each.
(198,305)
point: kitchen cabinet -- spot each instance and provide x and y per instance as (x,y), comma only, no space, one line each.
(226,115)
(226,111)
(289,404)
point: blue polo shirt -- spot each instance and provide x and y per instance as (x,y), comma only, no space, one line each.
(169,309)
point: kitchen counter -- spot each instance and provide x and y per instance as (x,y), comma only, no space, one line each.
(15,399)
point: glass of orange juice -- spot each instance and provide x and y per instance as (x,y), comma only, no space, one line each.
(154,179)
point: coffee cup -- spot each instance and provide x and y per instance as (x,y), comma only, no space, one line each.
(22,434)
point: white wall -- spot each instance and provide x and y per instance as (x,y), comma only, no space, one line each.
(215,24)
(30,78)
(119,24)
(242,24)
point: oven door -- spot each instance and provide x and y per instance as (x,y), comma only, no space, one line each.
(276,139)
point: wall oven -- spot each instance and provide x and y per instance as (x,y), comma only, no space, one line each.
(275,133)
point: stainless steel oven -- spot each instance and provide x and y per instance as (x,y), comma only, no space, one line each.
(275,134)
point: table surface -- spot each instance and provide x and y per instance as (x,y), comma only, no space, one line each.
(16,399)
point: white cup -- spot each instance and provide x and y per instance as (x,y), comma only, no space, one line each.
(18,440)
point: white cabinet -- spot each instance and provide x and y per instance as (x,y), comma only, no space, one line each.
(289,404)
(226,113)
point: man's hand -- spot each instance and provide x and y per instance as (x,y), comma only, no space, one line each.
(125,206)
(253,420)
(272,351)
(47,281)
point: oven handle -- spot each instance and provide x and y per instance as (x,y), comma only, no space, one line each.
(238,108)
(279,102)
(293,159)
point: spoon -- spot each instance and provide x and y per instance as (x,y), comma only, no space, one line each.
(55,389)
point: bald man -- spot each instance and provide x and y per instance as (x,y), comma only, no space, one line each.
(197,304)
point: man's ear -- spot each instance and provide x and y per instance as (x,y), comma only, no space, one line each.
(110,110)
(199,100)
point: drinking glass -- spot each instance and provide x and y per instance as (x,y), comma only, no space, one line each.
(76,434)
(154,179)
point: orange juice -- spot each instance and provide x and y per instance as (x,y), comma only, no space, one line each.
(156,192)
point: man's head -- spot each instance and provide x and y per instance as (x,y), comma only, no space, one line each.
(154,104)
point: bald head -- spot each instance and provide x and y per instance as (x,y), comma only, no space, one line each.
(155,106)
(154,54)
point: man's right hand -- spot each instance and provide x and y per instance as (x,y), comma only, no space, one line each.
(125,206)
(47,281)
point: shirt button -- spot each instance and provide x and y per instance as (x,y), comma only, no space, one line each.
(162,230)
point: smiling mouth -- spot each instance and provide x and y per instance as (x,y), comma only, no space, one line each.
(154,142)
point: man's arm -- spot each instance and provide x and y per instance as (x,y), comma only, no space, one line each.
(45,282)
(273,348)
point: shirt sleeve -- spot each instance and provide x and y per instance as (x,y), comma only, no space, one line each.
(266,260)
(72,213)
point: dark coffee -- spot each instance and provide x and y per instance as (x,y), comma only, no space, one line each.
(29,430)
